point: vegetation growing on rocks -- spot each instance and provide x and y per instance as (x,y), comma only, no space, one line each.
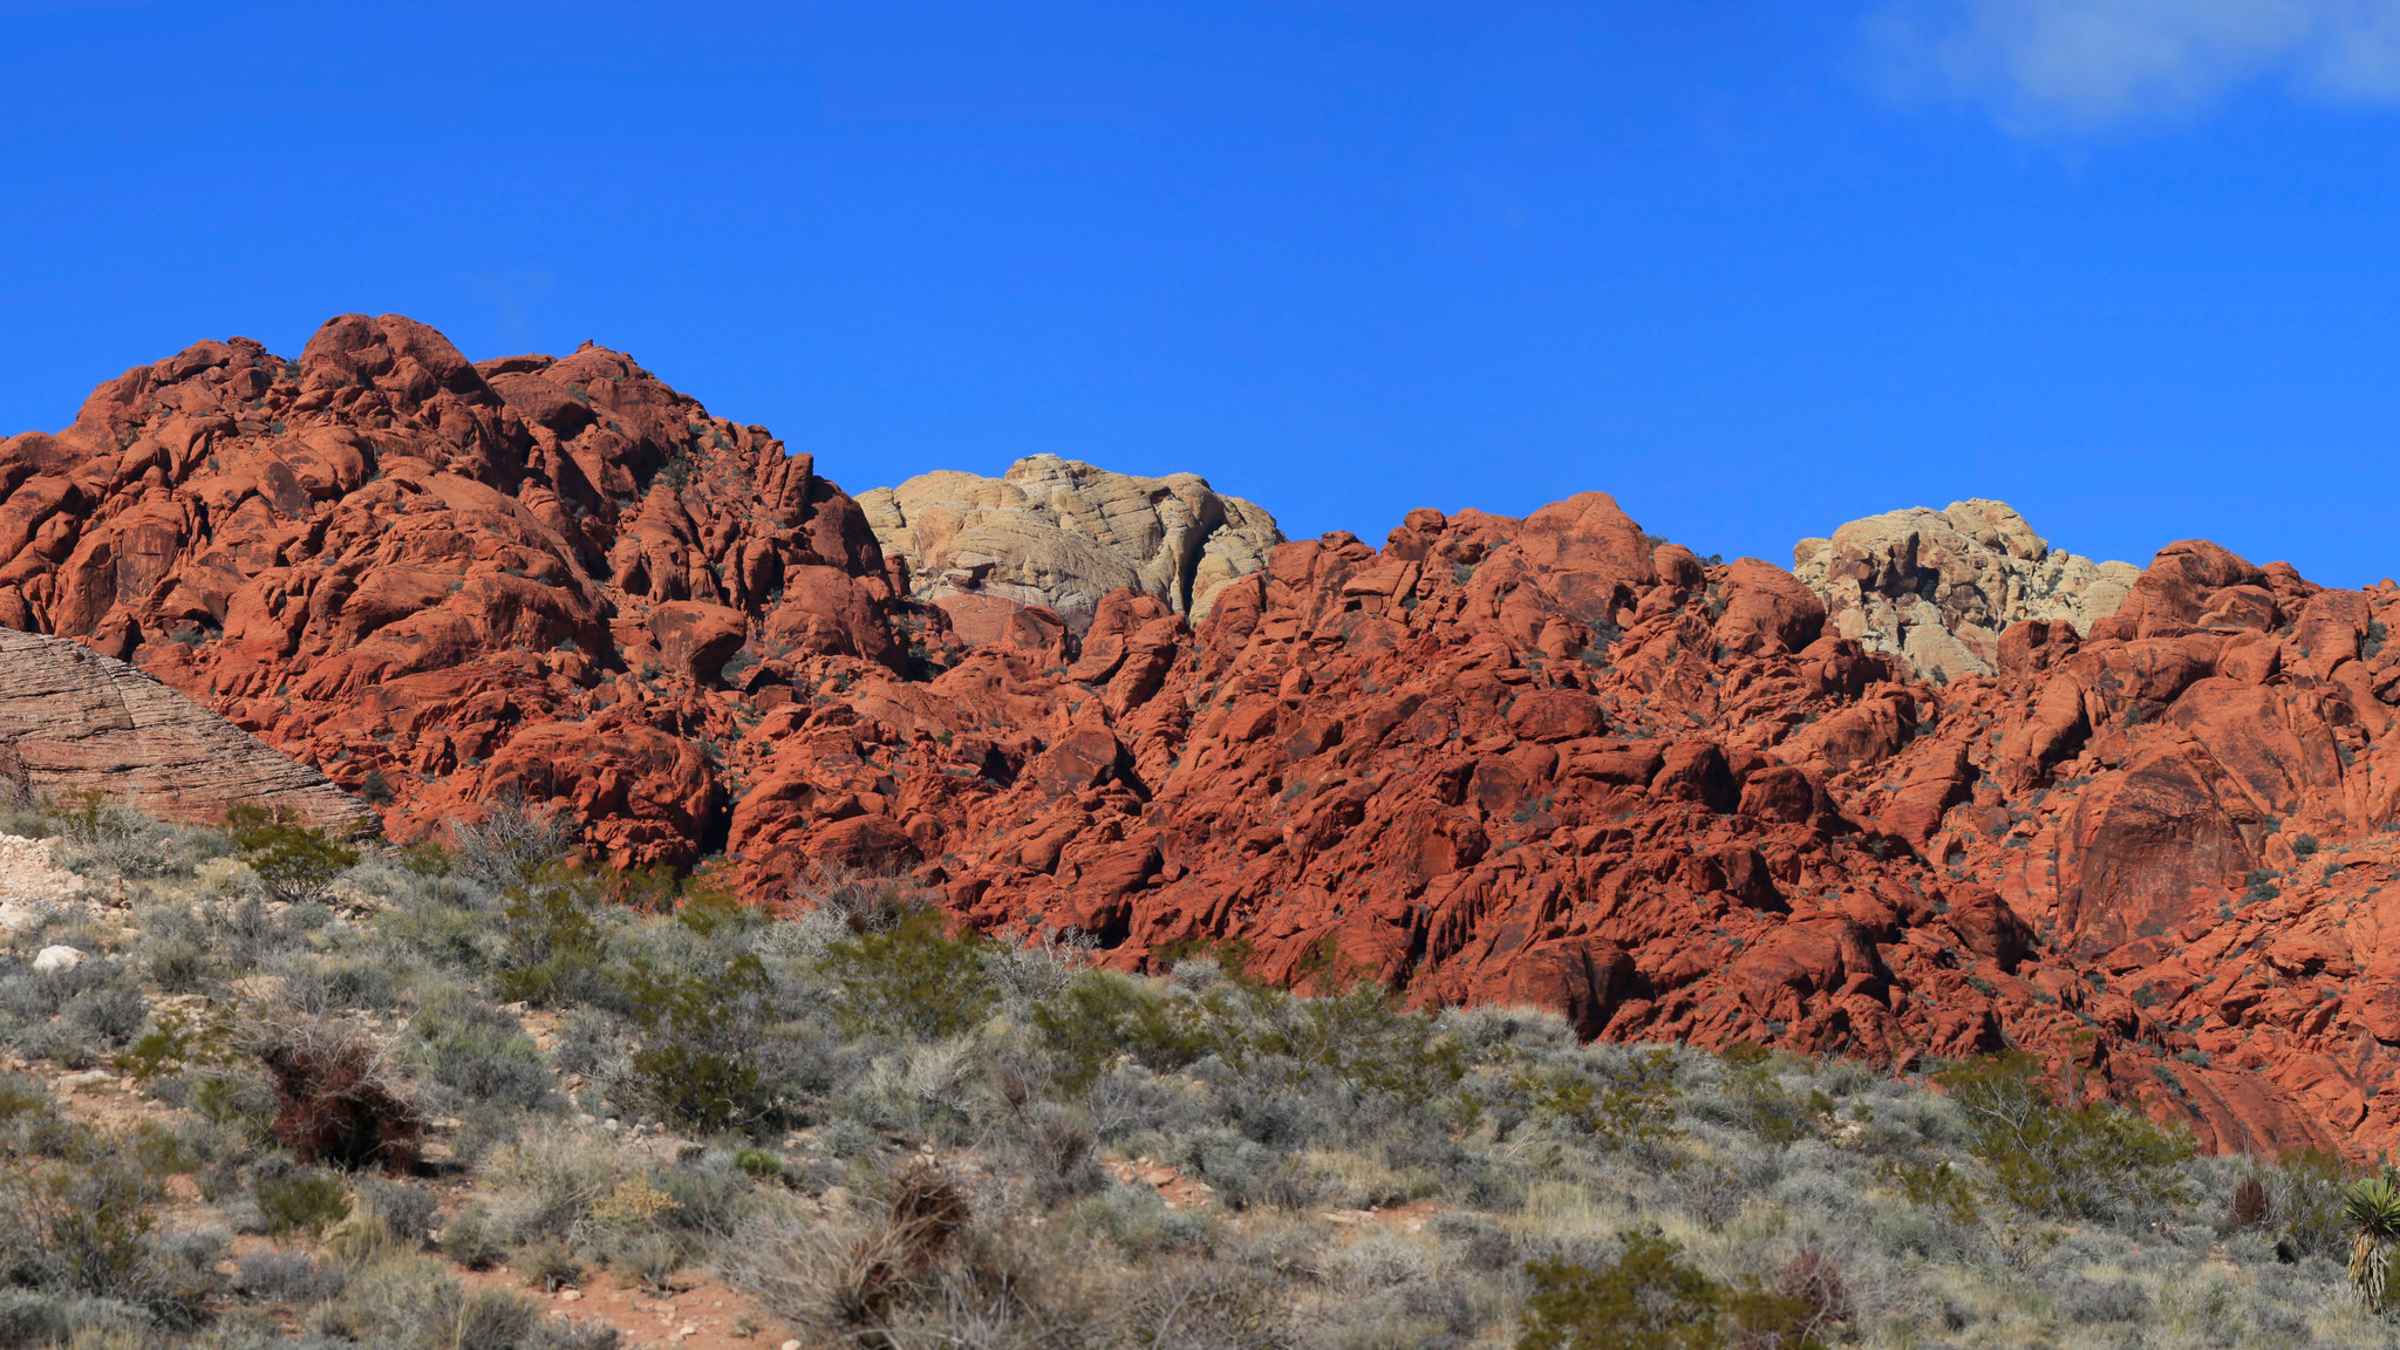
(422,1098)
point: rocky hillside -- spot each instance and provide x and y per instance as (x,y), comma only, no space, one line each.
(1544,760)
(1062,535)
(1938,588)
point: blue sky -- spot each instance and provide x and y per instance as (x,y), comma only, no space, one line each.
(1753,268)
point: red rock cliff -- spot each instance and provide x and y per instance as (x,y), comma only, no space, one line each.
(1549,760)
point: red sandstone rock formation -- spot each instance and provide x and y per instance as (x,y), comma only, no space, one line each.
(1538,760)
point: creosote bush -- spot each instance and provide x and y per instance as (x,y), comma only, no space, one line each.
(2089,1161)
(293,861)
(1649,1298)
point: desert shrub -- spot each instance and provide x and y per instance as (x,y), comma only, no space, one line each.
(178,1042)
(75,1018)
(90,1228)
(1208,1304)
(1052,1145)
(286,1277)
(1937,1185)
(473,1240)
(911,979)
(2306,1202)
(293,861)
(360,980)
(1649,1298)
(2096,1161)
(592,1042)
(2249,1206)
(1139,1224)
(479,1052)
(412,1304)
(1620,1101)
(1813,1281)
(176,948)
(556,951)
(512,843)
(1360,1039)
(700,1033)
(333,1101)
(853,901)
(2087,1301)
(652,1259)
(549,1265)
(44,1317)
(1100,1015)
(303,1200)
(112,842)
(407,1211)
(582,1188)
(1247,1175)
(1037,965)
(1756,1099)
(925,1210)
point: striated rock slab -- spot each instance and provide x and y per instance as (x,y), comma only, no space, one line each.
(1061,534)
(1937,588)
(72,720)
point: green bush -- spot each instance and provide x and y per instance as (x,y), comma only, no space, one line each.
(2092,1161)
(700,1037)
(1100,1015)
(293,861)
(1629,1103)
(305,1201)
(912,979)
(1650,1299)
(556,949)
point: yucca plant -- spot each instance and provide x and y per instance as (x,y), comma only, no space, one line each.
(2374,1208)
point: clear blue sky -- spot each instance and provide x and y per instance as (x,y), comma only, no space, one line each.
(1753,268)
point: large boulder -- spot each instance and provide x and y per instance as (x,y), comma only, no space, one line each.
(1061,534)
(1938,588)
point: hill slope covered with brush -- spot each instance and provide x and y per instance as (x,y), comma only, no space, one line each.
(420,1099)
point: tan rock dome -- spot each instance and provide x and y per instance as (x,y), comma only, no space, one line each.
(1061,534)
(1937,588)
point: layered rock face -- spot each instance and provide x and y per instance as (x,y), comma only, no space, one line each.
(1061,534)
(438,580)
(72,720)
(1536,760)
(1938,588)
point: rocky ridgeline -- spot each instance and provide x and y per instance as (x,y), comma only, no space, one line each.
(1062,535)
(1542,760)
(1938,588)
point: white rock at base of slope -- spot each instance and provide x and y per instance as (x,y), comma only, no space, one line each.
(1937,588)
(31,882)
(58,957)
